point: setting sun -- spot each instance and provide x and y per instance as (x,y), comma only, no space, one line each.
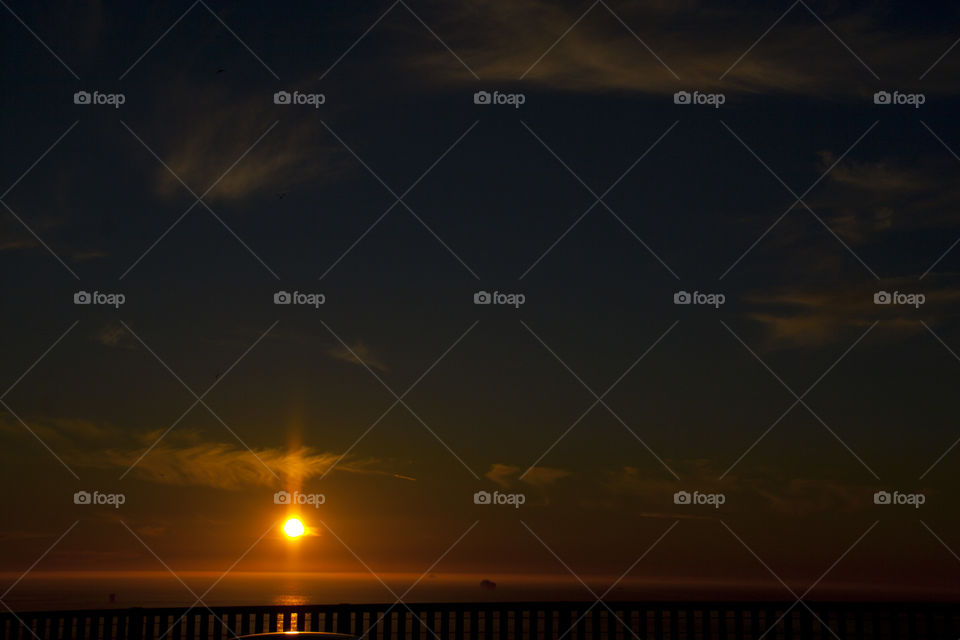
(293,528)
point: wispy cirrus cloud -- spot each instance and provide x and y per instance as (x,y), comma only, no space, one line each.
(358,353)
(204,147)
(186,458)
(506,40)
(507,475)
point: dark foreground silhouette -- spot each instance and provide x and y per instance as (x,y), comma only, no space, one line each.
(505,621)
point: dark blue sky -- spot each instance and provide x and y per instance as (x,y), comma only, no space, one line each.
(598,199)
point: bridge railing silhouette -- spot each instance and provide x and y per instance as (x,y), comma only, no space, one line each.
(504,621)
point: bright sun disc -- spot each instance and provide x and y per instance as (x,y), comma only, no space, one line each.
(293,528)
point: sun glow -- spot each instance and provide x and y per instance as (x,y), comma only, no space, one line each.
(293,528)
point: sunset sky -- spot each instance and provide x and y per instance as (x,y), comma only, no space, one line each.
(398,199)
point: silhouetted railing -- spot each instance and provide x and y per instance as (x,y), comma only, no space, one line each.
(505,621)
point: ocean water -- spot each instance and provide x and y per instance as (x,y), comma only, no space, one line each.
(41,591)
(61,591)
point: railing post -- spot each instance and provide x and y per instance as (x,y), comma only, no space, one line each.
(343,620)
(444,624)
